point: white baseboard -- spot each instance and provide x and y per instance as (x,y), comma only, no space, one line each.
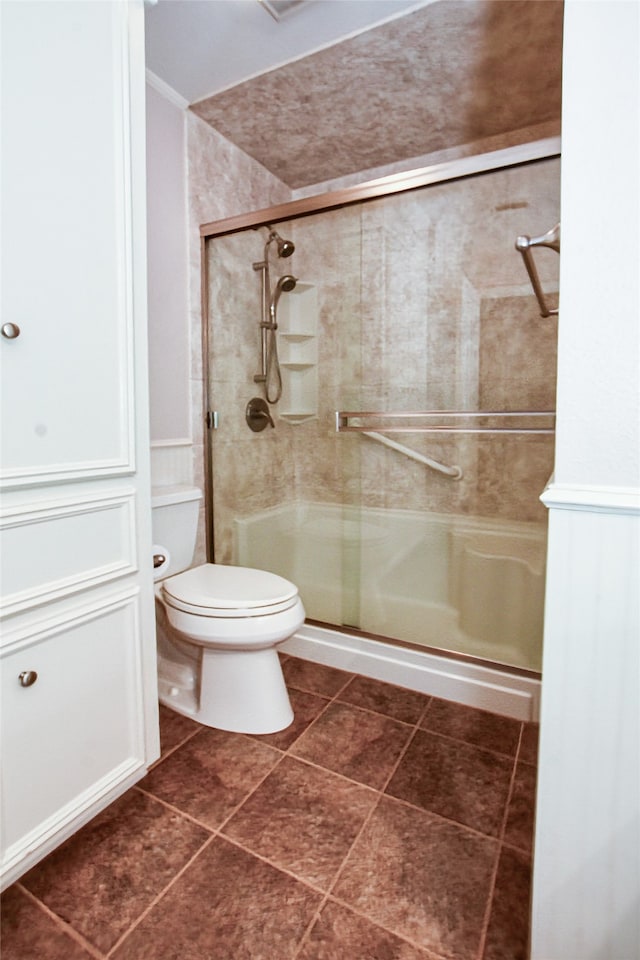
(437,675)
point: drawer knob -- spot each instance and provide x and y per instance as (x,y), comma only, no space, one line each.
(27,678)
(10,331)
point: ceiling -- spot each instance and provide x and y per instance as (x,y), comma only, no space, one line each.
(342,86)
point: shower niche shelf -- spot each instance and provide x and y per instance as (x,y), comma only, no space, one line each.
(298,351)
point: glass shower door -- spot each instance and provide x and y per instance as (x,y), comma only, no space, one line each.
(409,303)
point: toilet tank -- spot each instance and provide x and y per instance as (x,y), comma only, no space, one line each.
(174,524)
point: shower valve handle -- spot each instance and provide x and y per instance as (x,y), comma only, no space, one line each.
(257,415)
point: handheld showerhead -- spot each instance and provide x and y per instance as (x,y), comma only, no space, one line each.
(284,285)
(285,247)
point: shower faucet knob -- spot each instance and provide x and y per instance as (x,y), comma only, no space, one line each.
(257,414)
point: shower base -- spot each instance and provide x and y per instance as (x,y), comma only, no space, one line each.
(512,693)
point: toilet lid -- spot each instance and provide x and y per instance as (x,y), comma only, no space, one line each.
(223,588)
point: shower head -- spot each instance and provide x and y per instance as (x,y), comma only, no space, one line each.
(284,285)
(285,247)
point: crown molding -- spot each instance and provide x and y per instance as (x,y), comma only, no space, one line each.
(165,90)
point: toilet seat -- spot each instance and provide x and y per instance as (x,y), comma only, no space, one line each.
(220,590)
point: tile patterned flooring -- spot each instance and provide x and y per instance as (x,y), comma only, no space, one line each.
(381,825)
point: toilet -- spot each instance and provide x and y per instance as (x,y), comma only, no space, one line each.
(218,627)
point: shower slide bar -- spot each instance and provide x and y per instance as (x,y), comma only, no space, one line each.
(451,421)
(454,472)
(524,245)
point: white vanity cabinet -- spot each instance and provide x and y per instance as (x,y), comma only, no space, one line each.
(77,642)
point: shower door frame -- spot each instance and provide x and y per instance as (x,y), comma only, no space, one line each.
(417,179)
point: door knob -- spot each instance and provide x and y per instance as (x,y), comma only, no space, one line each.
(10,331)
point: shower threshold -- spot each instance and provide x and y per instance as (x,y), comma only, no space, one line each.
(510,691)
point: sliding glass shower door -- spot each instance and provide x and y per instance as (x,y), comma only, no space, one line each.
(424,529)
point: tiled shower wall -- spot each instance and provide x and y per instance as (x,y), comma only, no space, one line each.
(222,181)
(423,304)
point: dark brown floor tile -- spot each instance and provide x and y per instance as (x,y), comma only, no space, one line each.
(228,905)
(28,933)
(455,780)
(361,745)
(529,743)
(522,806)
(508,933)
(396,702)
(483,729)
(102,879)
(314,677)
(211,774)
(302,819)
(340,934)
(421,877)
(306,707)
(174,729)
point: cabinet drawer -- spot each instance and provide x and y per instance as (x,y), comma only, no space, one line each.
(72,721)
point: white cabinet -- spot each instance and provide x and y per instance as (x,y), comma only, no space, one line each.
(77,649)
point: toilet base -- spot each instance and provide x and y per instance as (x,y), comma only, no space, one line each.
(243,691)
(236,698)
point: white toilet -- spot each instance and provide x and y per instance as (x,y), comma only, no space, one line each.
(217,662)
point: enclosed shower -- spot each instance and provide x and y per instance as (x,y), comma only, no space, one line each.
(414,418)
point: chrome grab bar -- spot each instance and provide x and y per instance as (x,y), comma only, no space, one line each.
(523,245)
(448,421)
(454,472)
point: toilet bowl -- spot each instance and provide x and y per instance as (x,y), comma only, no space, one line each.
(217,656)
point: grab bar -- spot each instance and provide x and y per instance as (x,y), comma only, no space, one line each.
(454,472)
(468,421)
(523,245)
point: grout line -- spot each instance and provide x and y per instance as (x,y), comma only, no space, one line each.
(160,895)
(331,898)
(377,713)
(233,812)
(172,750)
(364,824)
(176,810)
(492,886)
(516,849)
(272,863)
(62,924)
(374,807)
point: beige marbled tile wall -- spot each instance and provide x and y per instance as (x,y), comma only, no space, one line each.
(539,131)
(222,181)
(423,303)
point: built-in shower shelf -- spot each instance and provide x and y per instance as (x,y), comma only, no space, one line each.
(292,417)
(298,349)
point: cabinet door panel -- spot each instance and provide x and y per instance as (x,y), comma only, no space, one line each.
(75,731)
(51,548)
(66,380)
